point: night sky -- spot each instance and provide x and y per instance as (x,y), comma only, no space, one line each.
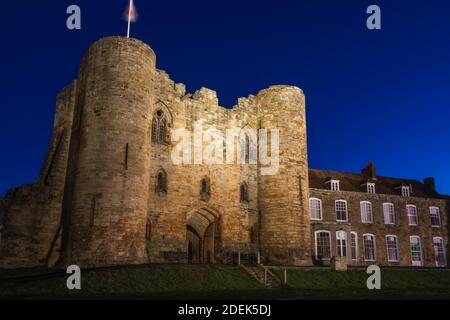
(380,96)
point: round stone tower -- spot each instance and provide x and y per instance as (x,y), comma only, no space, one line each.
(284,194)
(106,197)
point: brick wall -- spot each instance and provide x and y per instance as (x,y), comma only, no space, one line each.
(378,228)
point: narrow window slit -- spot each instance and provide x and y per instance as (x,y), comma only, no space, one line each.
(127,147)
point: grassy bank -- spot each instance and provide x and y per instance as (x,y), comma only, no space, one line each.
(220,282)
(395,284)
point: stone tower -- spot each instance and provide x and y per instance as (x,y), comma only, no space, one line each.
(283,197)
(106,197)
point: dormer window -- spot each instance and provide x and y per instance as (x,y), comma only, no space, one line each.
(371,188)
(335,185)
(406,191)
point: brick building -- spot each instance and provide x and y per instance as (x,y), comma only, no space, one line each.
(373,219)
(110,192)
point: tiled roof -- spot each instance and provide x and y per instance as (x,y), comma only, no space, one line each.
(355,182)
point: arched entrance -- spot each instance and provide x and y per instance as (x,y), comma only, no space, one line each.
(200,235)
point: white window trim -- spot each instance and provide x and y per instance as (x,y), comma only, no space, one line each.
(356,244)
(444,253)
(321,210)
(417,215)
(361,211)
(346,210)
(335,183)
(371,185)
(374,247)
(421,250)
(384,213)
(346,242)
(396,247)
(315,243)
(406,191)
(439,216)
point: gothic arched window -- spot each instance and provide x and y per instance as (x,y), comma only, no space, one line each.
(159,128)
(204,186)
(162,131)
(244,193)
(155,130)
(205,190)
(247,149)
(244,148)
(161,182)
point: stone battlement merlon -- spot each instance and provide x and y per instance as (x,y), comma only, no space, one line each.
(169,89)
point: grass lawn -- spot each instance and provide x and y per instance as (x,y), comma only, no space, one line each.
(395,284)
(183,282)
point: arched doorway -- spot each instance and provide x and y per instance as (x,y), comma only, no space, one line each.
(200,235)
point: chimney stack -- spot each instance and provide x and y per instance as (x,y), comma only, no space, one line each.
(429,184)
(369,172)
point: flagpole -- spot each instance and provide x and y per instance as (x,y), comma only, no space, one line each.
(129,18)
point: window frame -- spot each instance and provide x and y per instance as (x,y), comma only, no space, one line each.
(155,130)
(354,258)
(316,233)
(374,241)
(443,252)
(438,217)
(335,185)
(406,191)
(342,244)
(160,128)
(366,221)
(371,189)
(336,210)
(397,250)
(246,148)
(385,204)
(320,209)
(411,251)
(409,215)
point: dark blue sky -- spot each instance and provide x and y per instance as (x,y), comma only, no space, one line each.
(380,96)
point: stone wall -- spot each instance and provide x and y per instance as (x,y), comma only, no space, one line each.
(168,213)
(283,196)
(107,208)
(31,215)
(106,199)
